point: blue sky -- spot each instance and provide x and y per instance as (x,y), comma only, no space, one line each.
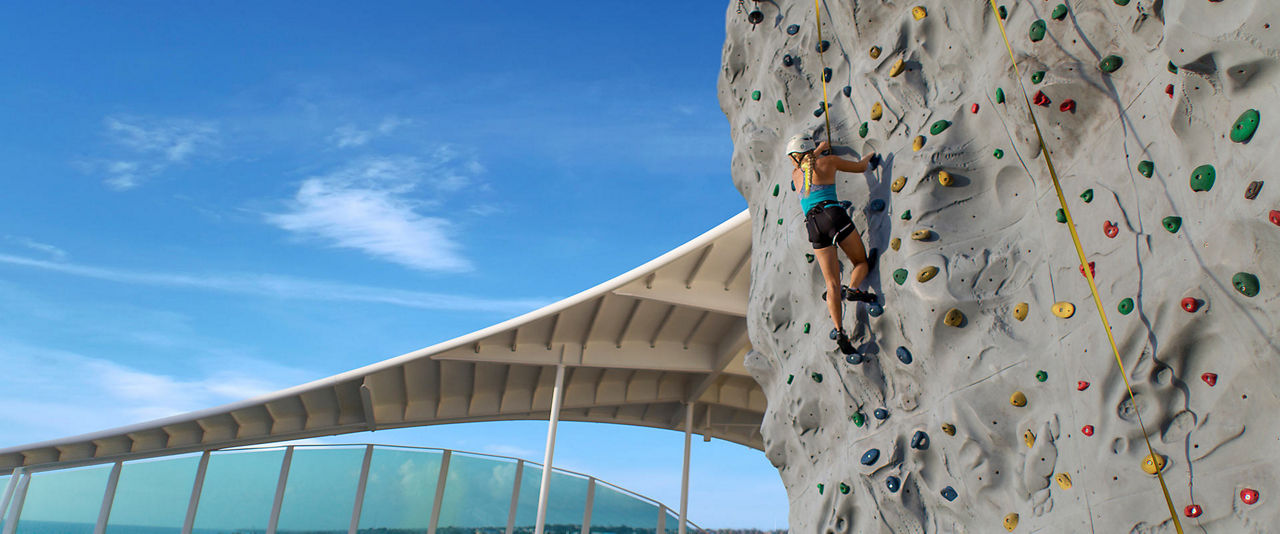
(203,202)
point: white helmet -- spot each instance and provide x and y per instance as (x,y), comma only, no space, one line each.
(800,143)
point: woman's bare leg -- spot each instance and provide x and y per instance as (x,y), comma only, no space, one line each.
(853,248)
(829,261)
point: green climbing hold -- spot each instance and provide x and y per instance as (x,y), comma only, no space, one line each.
(1146,168)
(1037,30)
(1202,178)
(998,153)
(939,127)
(779,222)
(906,215)
(755,95)
(844,488)
(1244,127)
(900,276)
(999,95)
(808,258)
(776,189)
(858,419)
(790,378)
(1122,2)
(1110,63)
(1059,12)
(1060,215)
(863,130)
(1172,223)
(1087,196)
(1126,306)
(806,328)
(820,489)
(1246,284)
(817,377)
(1173,68)
(1041,375)
(780,108)
(1037,76)
(1004,13)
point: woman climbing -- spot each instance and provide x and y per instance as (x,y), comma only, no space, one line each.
(828,224)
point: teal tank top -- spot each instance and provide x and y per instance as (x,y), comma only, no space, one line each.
(812,194)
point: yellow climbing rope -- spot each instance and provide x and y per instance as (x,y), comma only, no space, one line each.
(826,111)
(1088,273)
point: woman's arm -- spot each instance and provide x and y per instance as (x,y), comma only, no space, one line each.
(854,166)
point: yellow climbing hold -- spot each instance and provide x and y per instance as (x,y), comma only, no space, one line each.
(898,184)
(953,318)
(895,243)
(918,143)
(921,235)
(874,52)
(1064,480)
(1018,399)
(876,111)
(897,69)
(926,274)
(1064,309)
(1011,522)
(918,12)
(1153,463)
(944,179)
(1020,311)
(949,429)
(1029,438)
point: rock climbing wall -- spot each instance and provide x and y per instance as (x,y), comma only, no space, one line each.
(987,396)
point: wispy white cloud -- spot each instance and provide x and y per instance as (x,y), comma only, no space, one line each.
(45,248)
(350,135)
(151,146)
(284,287)
(376,205)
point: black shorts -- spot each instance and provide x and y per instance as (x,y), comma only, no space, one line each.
(828,225)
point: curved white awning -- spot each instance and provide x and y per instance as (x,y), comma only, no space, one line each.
(636,348)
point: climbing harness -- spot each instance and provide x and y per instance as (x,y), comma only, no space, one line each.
(817,12)
(1088,273)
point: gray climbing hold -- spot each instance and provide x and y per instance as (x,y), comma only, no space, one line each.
(904,355)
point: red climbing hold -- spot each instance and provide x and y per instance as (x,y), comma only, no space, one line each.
(1192,510)
(1190,304)
(1275,217)
(1040,99)
(1092,271)
(1249,496)
(1087,430)
(1110,229)
(973,108)
(1168,90)
(1067,106)
(1210,378)
(1082,385)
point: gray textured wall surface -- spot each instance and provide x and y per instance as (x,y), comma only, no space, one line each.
(997,243)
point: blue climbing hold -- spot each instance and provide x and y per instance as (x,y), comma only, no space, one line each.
(874,309)
(904,355)
(854,359)
(881,414)
(949,493)
(876,205)
(823,46)
(826,74)
(870,457)
(793,29)
(920,441)
(893,484)
(788,60)
(848,90)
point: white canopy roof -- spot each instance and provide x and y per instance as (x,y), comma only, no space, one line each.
(636,348)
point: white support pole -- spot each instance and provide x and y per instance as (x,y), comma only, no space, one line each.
(684,475)
(551,450)
(196,487)
(19,497)
(14,477)
(274,521)
(662,519)
(439,498)
(515,497)
(360,485)
(108,498)
(591,502)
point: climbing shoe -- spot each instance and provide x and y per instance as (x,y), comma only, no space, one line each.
(858,295)
(842,340)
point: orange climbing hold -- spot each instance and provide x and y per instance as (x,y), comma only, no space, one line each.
(1110,229)
(1092,271)
(1275,217)
(1190,304)
(1067,106)
(1087,430)
(1082,385)
(1040,99)
(973,108)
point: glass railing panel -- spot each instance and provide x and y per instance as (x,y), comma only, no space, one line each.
(477,495)
(616,512)
(672,524)
(400,491)
(4,485)
(152,496)
(67,501)
(566,501)
(239,490)
(320,493)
